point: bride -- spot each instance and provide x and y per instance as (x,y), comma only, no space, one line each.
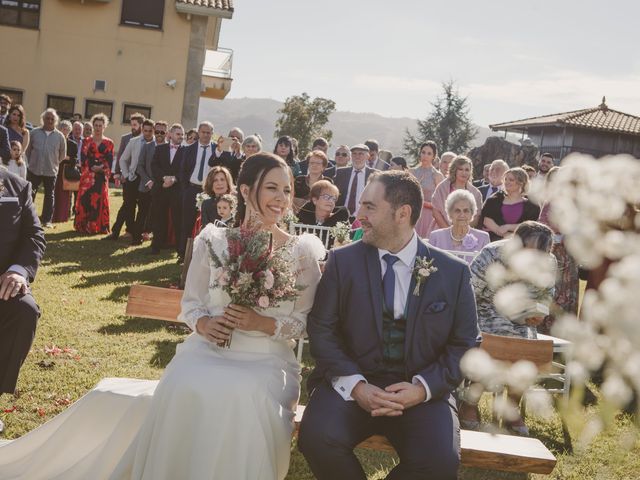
(216,413)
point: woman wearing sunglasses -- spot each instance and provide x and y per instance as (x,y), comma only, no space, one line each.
(322,210)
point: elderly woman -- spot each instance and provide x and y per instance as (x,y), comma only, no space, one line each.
(533,235)
(461,208)
(251,145)
(429,179)
(506,209)
(322,210)
(460,178)
(317,162)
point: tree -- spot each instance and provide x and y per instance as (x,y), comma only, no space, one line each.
(304,119)
(448,124)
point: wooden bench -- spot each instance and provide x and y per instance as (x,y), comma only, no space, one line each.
(478,449)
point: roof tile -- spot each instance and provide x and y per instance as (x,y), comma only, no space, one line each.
(217,4)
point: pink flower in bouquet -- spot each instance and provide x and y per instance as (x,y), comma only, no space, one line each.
(263,301)
(220,276)
(469,242)
(269,279)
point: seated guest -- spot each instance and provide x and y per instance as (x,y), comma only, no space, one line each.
(342,159)
(16,125)
(251,145)
(461,208)
(317,163)
(217,184)
(318,144)
(352,180)
(227,205)
(497,169)
(286,150)
(485,177)
(398,163)
(374,161)
(506,209)
(15,163)
(322,209)
(22,245)
(533,235)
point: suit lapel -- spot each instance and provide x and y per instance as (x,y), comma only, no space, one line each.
(374,274)
(415,302)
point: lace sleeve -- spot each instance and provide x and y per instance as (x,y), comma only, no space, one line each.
(308,250)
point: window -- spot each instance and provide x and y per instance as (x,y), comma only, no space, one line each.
(65,106)
(16,95)
(129,109)
(142,13)
(91,107)
(20,13)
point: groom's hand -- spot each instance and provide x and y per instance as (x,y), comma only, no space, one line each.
(372,399)
(406,394)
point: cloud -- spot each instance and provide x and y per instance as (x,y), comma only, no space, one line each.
(396,84)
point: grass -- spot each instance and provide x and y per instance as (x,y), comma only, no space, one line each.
(82,287)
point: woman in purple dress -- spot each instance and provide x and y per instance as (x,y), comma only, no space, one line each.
(508,208)
(460,207)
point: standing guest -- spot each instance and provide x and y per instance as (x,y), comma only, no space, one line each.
(444,162)
(352,180)
(322,210)
(128,162)
(285,150)
(342,159)
(227,205)
(15,163)
(398,163)
(531,172)
(460,177)
(374,161)
(508,208)
(5,103)
(47,148)
(5,146)
(165,193)
(16,125)
(485,177)
(497,169)
(135,120)
(317,162)
(92,206)
(218,183)
(232,158)
(251,145)
(76,136)
(62,197)
(460,237)
(22,246)
(193,170)
(429,178)
(191,137)
(143,170)
(76,117)
(545,164)
(567,282)
(318,144)
(87,129)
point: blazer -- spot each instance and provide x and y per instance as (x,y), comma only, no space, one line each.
(162,166)
(228,161)
(341,180)
(22,241)
(345,323)
(124,141)
(5,146)
(381,165)
(189,162)
(130,157)
(143,170)
(484,189)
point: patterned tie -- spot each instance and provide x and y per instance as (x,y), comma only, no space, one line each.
(389,283)
(351,203)
(202,160)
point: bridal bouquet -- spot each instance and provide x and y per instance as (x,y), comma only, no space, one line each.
(252,272)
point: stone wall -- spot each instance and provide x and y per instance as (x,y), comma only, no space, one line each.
(497,147)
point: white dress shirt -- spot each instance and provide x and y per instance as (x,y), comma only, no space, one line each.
(194,175)
(403,269)
(359,188)
(172,152)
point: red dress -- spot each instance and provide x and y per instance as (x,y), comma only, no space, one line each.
(92,205)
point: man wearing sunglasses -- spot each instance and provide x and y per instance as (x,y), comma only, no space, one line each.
(342,159)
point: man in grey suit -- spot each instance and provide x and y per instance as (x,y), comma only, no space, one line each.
(352,180)
(374,161)
(391,320)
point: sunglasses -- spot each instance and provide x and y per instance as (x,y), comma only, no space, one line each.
(329,198)
(342,154)
(160,132)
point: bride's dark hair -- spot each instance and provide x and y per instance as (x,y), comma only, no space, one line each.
(252,174)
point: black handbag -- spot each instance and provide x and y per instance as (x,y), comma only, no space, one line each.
(71,173)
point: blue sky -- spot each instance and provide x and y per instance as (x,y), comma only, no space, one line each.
(512,59)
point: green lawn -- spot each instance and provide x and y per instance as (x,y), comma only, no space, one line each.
(82,287)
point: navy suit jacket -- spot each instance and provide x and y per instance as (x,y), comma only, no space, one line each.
(345,323)
(162,166)
(189,162)
(341,180)
(22,240)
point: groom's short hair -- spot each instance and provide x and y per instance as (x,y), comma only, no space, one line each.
(401,188)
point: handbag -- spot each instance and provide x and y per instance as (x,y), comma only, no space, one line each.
(70,178)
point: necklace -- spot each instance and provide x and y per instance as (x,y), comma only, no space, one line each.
(458,240)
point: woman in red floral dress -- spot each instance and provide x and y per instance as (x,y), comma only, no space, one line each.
(92,205)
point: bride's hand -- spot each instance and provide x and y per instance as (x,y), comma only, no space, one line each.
(215,329)
(244,318)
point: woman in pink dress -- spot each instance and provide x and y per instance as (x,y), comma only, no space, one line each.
(429,178)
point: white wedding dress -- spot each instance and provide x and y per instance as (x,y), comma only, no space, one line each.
(215,414)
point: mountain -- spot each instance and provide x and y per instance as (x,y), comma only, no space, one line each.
(259,115)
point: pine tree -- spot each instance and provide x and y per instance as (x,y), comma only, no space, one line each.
(448,124)
(305,119)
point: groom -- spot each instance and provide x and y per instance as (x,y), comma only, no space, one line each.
(387,359)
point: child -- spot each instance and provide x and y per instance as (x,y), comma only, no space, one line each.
(227,208)
(16,163)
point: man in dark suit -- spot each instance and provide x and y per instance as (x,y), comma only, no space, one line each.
(352,180)
(5,146)
(166,193)
(193,171)
(485,177)
(22,245)
(392,318)
(374,160)
(232,158)
(497,169)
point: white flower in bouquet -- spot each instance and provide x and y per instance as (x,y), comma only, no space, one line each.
(200,198)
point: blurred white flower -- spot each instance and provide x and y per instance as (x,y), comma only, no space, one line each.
(505,408)
(616,391)
(540,404)
(512,299)
(521,375)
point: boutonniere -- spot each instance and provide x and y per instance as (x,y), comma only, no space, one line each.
(421,271)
